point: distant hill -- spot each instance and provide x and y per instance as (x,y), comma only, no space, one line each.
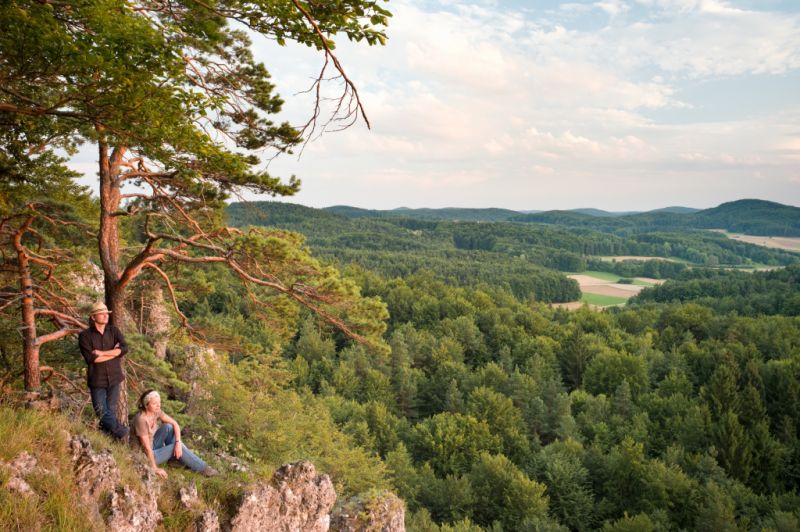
(676,210)
(352,212)
(568,218)
(748,216)
(751,217)
(276,213)
(469,215)
(599,212)
(450,213)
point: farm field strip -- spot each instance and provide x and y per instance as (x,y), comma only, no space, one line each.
(602,300)
(649,281)
(589,280)
(617,290)
(575,305)
(775,242)
(623,258)
(603,288)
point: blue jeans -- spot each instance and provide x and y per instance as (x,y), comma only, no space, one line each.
(104,401)
(164,449)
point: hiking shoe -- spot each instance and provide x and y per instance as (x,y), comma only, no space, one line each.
(209,472)
(124,438)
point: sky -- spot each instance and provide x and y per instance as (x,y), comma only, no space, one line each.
(613,104)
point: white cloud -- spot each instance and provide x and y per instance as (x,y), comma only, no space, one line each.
(709,38)
(475,104)
(613,7)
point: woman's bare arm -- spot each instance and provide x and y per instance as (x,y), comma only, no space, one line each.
(148,449)
(177,430)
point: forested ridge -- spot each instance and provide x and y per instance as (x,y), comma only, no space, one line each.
(751,217)
(398,246)
(748,216)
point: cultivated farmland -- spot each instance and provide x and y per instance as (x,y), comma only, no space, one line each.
(604,289)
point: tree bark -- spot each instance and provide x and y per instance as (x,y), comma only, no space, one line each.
(108,241)
(108,246)
(30,346)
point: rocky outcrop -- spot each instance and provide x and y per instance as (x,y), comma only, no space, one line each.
(89,281)
(188,496)
(132,511)
(96,473)
(19,468)
(297,498)
(192,366)
(208,522)
(381,512)
(97,476)
(156,318)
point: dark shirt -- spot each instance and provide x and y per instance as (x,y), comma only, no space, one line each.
(110,372)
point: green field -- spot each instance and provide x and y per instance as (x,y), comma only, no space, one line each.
(605,276)
(612,258)
(613,278)
(602,301)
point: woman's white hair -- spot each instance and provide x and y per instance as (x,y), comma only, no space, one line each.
(149,397)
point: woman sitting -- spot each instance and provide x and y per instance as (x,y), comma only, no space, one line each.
(164,442)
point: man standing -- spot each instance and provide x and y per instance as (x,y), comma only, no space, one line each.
(102,346)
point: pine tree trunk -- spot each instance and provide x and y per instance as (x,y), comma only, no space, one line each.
(30,347)
(108,246)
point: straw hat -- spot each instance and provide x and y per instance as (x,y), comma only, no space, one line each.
(99,307)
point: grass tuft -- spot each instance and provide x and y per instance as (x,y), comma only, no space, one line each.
(55,507)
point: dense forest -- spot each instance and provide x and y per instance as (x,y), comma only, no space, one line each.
(662,415)
(412,353)
(747,294)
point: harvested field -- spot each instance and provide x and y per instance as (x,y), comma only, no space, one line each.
(590,284)
(587,280)
(611,289)
(573,305)
(650,280)
(775,242)
(621,258)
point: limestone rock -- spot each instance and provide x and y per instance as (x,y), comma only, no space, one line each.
(156,318)
(208,522)
(18,485)
(383,512)
(297,498)
(24,464)
(89,281)
(232,463)
(192,367)
(21,466)
(188,495)
(133,512)
(96,473)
